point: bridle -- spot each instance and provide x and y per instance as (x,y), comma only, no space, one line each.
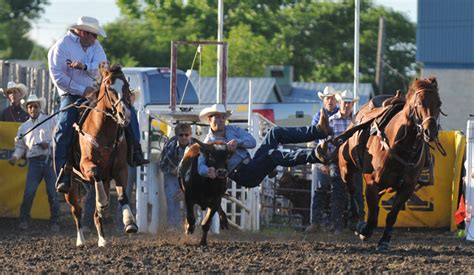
(114,113)
(418,119)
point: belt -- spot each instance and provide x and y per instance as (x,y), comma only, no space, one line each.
(42,157)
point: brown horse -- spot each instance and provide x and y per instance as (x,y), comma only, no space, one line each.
(103,151)
(392,159)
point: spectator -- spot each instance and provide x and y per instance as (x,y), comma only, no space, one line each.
(15,92)
(170,157)
(339,122)
(36,146)
(73,64)
(321,190)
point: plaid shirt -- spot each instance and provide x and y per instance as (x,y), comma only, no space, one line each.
(171,156)
(338,125)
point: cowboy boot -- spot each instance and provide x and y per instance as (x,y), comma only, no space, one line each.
(63,182)
(134,151)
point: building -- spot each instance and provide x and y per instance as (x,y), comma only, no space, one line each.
(445,48)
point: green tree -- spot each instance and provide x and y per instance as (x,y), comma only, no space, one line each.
(15,18)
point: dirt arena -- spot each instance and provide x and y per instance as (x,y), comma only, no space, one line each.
(39,250)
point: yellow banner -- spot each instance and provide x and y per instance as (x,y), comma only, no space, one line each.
(13,179)
(431,206)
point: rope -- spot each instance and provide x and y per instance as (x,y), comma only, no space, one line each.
(189,78)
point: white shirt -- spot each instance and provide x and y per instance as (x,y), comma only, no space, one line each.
(29,144)
(69,80)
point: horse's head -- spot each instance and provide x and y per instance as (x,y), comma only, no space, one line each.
(425,106)
(115,92)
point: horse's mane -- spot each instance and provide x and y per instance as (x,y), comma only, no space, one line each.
(427,85)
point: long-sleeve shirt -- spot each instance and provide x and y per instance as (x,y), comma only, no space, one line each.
(338,126)
(171,156)
(244,140)
(69,80)
(14,113)
(29,144)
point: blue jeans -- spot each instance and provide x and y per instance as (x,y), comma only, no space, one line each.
(37,170)
(171,191)
(339,196)
(64,131)
(132,181)
(268,156)
(321,196)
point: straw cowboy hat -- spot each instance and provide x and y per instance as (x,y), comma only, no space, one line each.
(12,85)
(33,98)
(89,24)
(346,96)
(214,109)
(328,91)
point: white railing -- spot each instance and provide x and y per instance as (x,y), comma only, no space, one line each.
(469,165)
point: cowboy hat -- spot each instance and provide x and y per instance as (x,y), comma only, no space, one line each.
(328,91)
(214,109)
(12,85)
(346,96)
(33,98)
(89,24)
(136,93)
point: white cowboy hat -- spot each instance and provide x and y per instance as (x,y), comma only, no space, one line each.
(89,24)
(12,85)
(328,91)
(34,98)
(136,93)
(214,109)
(346,96)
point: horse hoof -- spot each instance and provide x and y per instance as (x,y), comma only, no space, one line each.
(80,243)
(102,242)
(131,228)
(382,247)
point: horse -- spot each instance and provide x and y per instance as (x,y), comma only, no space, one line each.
(103,152)
(391,160)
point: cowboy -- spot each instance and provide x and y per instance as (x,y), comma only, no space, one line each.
(14,92)
(328,97)
(74,67)
(36,146)
(247,171)
(338,123)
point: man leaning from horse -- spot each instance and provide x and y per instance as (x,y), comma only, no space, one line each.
(245,170)
(74,68)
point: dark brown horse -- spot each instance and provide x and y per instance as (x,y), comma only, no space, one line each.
(391,158)
(103,152)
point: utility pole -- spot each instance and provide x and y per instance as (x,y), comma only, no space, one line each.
(380,51)
(220,36)
(356,51)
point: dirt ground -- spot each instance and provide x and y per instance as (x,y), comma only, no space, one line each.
(40,250)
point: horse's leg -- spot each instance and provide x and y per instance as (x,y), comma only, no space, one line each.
(372,197)
(101,203)
(401,198)
(206,224)
(129,223)
(72,198)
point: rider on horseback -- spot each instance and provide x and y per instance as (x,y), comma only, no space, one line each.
(73,63)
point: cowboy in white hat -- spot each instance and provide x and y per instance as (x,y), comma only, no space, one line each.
(36,146)
(329,108)
(338,123)
(243,169)
(14,92)
(74,66)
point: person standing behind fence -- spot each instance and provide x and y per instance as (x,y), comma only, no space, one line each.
(321,190)
(170,157)
(14,92)
(339,122)
(36,146)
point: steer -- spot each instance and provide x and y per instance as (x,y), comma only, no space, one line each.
(205,192)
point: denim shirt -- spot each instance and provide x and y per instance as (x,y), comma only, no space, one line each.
(244,139)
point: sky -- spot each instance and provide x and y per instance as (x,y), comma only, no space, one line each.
(62,13)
